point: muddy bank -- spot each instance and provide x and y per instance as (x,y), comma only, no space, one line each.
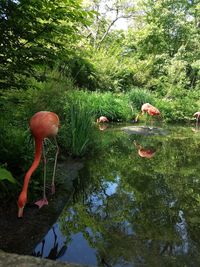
(21,235)
(14,260)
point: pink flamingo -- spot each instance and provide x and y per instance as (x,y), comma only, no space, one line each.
(42,125)
(102,119)
(197,115)
(149,109)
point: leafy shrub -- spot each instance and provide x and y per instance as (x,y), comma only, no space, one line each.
(138,97)
(82,71)
(114,106)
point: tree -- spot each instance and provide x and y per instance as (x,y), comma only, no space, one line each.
(107,14)
(166,39)
(34,33)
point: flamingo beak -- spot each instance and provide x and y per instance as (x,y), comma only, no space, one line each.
(20,212)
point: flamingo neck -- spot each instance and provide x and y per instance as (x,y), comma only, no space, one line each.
(38,153)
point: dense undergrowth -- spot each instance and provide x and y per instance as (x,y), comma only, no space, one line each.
(78,110)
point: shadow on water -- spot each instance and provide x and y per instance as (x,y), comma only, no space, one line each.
(136,203)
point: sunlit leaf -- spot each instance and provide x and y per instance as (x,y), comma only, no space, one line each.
(6,175)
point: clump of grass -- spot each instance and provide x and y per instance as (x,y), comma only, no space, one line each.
(113,106)
(80,128)
(138,97)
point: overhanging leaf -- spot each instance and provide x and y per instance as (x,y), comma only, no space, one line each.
(6,175)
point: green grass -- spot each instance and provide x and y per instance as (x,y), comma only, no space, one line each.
(138,97)
(80,128)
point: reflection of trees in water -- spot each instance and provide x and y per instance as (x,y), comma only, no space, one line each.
(137,222)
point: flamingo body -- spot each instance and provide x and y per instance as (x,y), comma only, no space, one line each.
(145,107)
(102,119)
(197,114)
(42,125)
(151,110)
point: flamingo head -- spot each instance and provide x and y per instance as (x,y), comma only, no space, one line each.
(21,203)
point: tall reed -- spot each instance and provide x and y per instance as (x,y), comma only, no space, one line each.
(80,128)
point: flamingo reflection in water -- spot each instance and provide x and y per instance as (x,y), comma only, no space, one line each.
(144,152)
(54,253)
(102,127)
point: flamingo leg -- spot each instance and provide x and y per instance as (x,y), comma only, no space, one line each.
(145,119)
(45,172)
(197,123)
(54,169)
(151,122)
(40,203)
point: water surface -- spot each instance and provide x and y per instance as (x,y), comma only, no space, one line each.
(135,203)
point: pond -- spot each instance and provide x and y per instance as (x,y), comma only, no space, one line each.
(135,203)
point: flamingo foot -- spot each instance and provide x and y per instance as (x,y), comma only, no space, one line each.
(42,202)
(53,189)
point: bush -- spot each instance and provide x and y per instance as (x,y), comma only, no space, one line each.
(114,106)
(82,71)
(138,97)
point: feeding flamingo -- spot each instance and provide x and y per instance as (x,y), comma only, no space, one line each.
(197,115)
(42,125)
(102,119)
(149,109)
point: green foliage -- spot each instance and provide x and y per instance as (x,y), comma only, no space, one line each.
(114,106)
(80,128)
(49,94)
(14,145)
(138,97)
(114,72)
(8,185)
(164,46)
(6,175)
(81,70)
(36,33)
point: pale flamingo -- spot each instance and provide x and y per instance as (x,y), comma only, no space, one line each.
(197,115)
(43,124)
(149,109)
(102,119)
